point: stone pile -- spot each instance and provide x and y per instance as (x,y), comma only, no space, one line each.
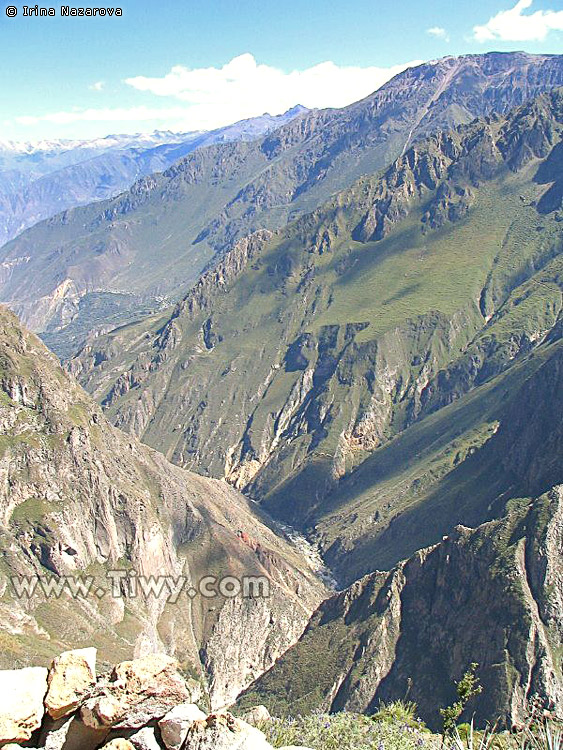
(145,704)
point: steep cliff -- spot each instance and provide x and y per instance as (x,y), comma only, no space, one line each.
(79,499)
(490,595)
(465,465)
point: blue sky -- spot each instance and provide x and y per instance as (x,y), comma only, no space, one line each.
(192,65)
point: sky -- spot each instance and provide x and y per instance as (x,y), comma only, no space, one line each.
(188,65)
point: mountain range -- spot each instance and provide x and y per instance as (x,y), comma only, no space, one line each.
(384,373)
(350,329)
(307,350)
(39,180)
(147,246)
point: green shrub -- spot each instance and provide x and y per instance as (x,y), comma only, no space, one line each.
(399,712)
(466,688)
(346,731)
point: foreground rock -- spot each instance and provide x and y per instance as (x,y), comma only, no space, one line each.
(71,675)
(144,704)
(224,732)
(145,739)
(71,734)
(21,710)
(138,692)
(175,725)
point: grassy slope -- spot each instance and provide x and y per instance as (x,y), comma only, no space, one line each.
(483,288)
(438,473)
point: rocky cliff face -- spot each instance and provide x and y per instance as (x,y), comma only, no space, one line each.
(489,595)
(212,198)
(465,464)
(79,500)
(487,591)
(310,350)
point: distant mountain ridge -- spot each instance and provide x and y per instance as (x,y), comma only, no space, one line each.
(152,242)
(38,180)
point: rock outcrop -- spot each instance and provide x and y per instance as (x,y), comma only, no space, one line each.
(490,595)
(137,706)
(22,710)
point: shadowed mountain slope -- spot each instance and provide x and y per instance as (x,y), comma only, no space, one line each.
(490,595)
(80,499)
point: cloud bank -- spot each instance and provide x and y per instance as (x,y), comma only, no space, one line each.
(208,98)
(107,114)
(244,88)
(513,26)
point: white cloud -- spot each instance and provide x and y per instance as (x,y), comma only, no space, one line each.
(438,32)
(243,88)
(207,98)
(98,86)
(512,26)
(119,114)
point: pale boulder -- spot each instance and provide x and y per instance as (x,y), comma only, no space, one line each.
(119,744)
(256,715)
(71,733)
(145,739)
(139,674)
(175,725)
(21,708)
(71,675)
(150,687)
(224,732)
(102,711)
(139,692)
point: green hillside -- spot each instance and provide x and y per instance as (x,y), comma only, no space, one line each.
(306,354)
(146,247)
